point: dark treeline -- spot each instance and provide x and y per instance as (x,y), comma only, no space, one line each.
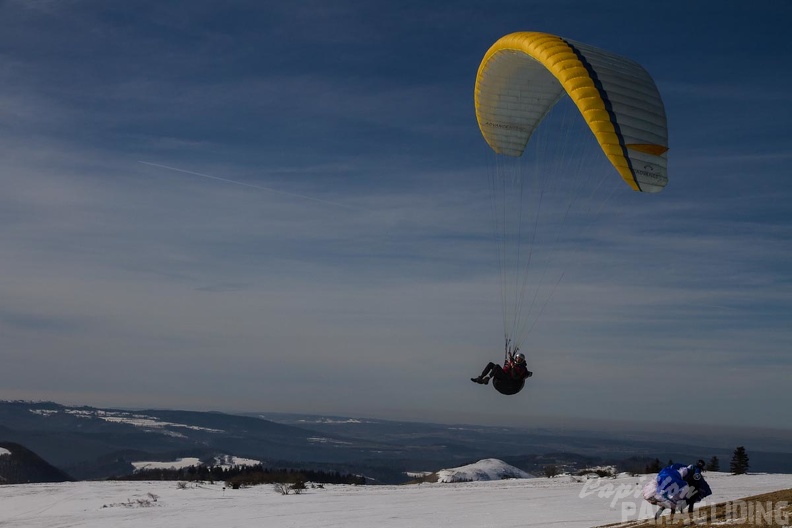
(245,475)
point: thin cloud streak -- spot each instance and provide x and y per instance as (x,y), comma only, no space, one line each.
(250,185)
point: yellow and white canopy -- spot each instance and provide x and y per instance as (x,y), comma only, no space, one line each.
(524,74)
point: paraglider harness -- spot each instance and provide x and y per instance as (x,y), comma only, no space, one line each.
(509,386)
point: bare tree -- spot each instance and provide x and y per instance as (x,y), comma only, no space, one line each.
(551,470)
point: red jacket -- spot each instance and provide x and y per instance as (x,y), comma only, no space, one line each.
(516,371)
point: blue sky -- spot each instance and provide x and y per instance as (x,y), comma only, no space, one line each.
(353,272)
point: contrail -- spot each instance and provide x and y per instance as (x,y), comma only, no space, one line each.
(251,185)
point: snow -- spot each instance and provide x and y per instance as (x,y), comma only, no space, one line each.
(324,440)
(222,461)
(177,464)
(487,469)
(4,451)
(43,412)
(331,421)
(148,423)
(575,502)
(228,461)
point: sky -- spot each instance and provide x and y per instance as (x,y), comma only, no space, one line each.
(576,502)
(283,206)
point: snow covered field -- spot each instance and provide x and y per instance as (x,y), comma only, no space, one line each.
(507,503)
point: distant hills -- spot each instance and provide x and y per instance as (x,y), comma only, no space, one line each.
(93,443)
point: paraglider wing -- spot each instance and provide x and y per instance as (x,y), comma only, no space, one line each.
(524,74)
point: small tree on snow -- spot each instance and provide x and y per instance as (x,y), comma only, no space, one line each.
(655,466)
(551,470)
(739,462)
(713,464)
(282,488)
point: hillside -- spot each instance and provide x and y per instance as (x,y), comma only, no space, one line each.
(96,443)
(483,470)
(19,465)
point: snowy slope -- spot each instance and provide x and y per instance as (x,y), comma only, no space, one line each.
(487,469)
(564,501)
